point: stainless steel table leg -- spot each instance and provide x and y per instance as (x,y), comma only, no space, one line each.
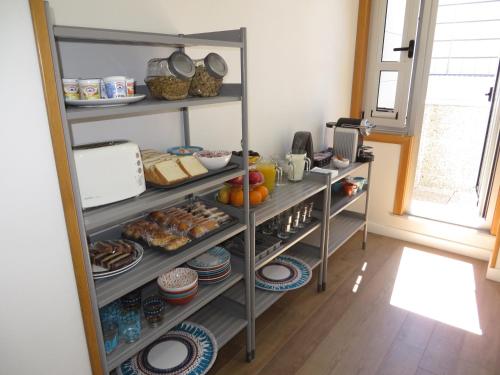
(365,234)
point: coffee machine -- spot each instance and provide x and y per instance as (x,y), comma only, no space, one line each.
(348,135)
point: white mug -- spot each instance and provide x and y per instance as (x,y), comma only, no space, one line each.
(296,165)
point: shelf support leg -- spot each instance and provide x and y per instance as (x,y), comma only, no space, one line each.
(325,233)
(249,219)
(186,131)
(365,231)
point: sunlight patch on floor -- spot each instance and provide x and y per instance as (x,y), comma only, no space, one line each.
(437,287)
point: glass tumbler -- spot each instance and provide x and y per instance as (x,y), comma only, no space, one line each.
(298,216)
(111,312)
(130,326)
(153,308)
(110,334)
(291,228)
(309,207)
(132,301)
(284,221)
(268,227)
(303,213)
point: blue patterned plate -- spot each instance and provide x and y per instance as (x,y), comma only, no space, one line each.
(188,349)
(213,258)
(282,274)
(184,150)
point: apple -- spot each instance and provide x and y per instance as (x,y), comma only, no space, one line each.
(236,181)
(255,177)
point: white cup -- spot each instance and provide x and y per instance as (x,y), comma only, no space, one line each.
(296,165)
(130,86)
(71,88)
(116,86)
(90,88)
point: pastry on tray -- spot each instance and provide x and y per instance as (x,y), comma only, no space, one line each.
(112,255)
(139,229)
(154,235)
(166,239)
(196,219)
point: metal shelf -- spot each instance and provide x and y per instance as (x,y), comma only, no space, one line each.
(174,315)
(286,196)
(97,222)
(223,324)
(264,299)
(101,217)
(229,38)
(294,239)
(229,93)
(343,227)
(340,203)
(353,167)
(153,264)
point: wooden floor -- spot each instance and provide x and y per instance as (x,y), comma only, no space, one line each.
(342,332)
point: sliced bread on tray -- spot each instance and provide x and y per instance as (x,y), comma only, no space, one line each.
(192,166)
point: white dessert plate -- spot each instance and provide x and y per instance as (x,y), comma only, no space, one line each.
(113,102)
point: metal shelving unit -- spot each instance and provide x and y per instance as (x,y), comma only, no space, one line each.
(105,222)
(311,255)
(221,321)
(175,314)
(102,217)
(229,93)
(341,202)
(344,226)
(153,264)
(230,306)
(294,239)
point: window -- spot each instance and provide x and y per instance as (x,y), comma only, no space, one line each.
(393,26)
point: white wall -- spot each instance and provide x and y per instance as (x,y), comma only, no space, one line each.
(40,321)
(309,82)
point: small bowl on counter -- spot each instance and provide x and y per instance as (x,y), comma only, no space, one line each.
(184,150)
(178,286)
(350,188)
(359,181)
(178,280)
(213,159)
(340,163)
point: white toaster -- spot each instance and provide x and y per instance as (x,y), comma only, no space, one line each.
(108,172)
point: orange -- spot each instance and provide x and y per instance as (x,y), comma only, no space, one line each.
(255,197)
(236,198)
(263,190)
(224,195)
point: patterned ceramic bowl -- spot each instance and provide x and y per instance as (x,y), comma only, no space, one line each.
(178,280)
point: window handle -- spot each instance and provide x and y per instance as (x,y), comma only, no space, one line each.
(410,49)
(489,94)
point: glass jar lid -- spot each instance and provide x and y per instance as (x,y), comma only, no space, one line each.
(215,65)
(181,65)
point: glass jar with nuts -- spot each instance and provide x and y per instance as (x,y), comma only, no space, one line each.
(208,76)
(170,78)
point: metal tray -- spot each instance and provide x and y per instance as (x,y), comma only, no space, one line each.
(214,172)
(193,241)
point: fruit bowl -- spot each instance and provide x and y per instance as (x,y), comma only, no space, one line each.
(255,178)
(253,156)
(233,195)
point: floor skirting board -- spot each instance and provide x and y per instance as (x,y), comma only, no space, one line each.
(438,243)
